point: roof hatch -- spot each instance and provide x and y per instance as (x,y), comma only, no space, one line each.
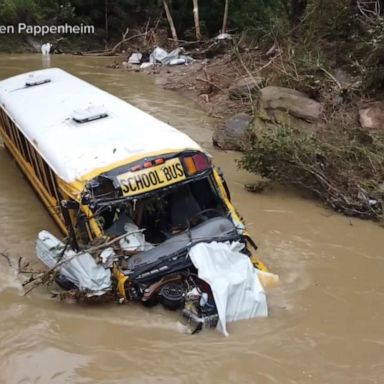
(33,80)
(89,114)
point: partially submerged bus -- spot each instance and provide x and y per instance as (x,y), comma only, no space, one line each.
(104,168)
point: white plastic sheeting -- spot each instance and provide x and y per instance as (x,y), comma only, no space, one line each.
(234,281)
(135,58)
(135,239)
(46,48)
(158,54)
(224,36)
(81,269)
(174,57)
(107,257)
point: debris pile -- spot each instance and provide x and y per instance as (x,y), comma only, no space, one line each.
(211,283)
(162,57)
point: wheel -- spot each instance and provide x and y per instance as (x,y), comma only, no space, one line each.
(172,295)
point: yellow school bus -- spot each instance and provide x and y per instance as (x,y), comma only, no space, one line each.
(100,165)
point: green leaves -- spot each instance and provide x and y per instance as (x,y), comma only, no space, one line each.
(14,11)
(340,168)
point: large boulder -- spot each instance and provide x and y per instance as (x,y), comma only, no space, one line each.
(372,116)
(275,105)
(230,136)
(288,106)
(245,88)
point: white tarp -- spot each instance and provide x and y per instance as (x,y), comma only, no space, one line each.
(81,269)
(175,57)
(158,54)
(135,58)
(234,281)
(46,48)
(135,239)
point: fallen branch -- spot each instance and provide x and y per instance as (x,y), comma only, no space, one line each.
(112,51)
(187,42)
(46,276)
(6,257)
(249,73)
(332,77)
(210,83)
(267,64)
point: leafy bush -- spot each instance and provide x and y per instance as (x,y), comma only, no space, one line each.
(346,171)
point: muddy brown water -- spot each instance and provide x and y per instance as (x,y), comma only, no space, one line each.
(326,322)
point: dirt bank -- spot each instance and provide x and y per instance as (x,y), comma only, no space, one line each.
(206,83)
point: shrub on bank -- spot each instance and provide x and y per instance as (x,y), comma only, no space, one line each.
(344,169)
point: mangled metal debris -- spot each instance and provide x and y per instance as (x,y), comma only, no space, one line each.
(78,270)
(211,282)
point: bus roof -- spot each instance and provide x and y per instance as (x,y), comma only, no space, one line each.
(45,105)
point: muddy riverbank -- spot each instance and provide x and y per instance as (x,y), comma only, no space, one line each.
(325,322)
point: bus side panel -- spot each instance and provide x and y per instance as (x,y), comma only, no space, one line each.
(31,165)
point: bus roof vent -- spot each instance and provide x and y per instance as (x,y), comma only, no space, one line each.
(33,80)
(89,114)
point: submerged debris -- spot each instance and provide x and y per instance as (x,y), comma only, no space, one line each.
(77,269)
(209,297)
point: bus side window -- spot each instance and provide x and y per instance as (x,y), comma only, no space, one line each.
(35,163)
(51,181)
(16,136)
(30,155)
(20,139)
(4,123)
(46,177)
(12,133)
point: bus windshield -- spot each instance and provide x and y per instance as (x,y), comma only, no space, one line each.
(165,213)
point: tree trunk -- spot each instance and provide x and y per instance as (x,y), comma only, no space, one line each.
(225,18)
(106,19)
(170,21)
(197,19)
(298,8)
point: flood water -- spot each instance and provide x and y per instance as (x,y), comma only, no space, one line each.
(326,322)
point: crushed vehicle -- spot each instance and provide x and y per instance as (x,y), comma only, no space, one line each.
(145,214)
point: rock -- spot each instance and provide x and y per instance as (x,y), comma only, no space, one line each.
(231,135)
(372,116)
(244,87)
(275,103)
